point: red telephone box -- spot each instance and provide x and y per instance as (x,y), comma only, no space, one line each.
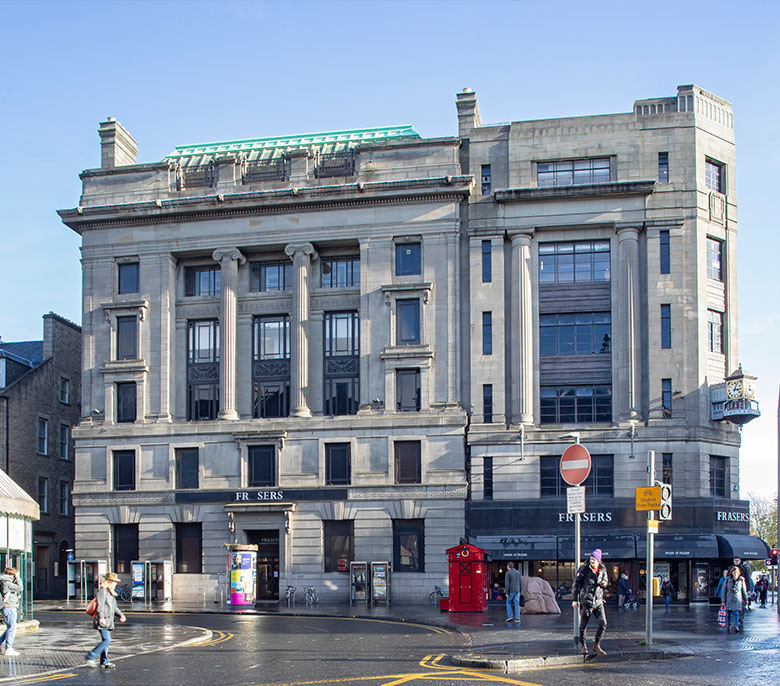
(468,578)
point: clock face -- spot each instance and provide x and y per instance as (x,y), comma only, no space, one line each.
(750,389)
(734,389)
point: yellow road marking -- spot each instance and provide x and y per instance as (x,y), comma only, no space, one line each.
(52,677)
(223,636)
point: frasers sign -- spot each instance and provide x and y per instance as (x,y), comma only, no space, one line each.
(248,496)
(603,517)
(721,516)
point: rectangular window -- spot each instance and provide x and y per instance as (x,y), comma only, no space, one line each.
(337,464)
(486,181)
(600,481)
(270,276)
(487,478)
(714,176)
(64,498)
(583,333)
(272,338)
(715,331)
(569,172)
(714,259)
(128,278)
(666,326)
(338,539)
(663,167)
(408,259)
(125,547)
(202,281)
(487,261)
(575,404)
(487,403)
(64,391)
(189,548)
(125,403)
(407,462)
(407,390)
(43,436)
(341,372)
(64,442)
(665,256)
(409,545)
(126,338)
(718,475)
(124,470)
(407,322)
(271,366)
(262,466)
(340,272)
(487,333)
(666,398)
(43,494)
(666,470)
(202,370)
(581,262)
(187,468)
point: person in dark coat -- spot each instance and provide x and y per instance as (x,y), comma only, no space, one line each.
(588,592)
(667,591)
(734,597)
(104,621)
(623,589)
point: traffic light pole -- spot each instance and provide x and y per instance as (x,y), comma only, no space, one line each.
(650,557)
(777,509)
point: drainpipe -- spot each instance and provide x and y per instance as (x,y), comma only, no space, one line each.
(7,439)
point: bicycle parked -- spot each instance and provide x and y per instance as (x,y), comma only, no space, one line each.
(310,595)
(436,595)
(124,592)
(289,595)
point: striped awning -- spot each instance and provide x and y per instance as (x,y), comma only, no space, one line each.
(15,501)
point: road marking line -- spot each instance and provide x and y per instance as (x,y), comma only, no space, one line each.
(53,677)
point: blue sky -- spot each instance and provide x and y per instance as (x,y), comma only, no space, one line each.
(190,72)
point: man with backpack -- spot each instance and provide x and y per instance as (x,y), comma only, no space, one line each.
(10,590)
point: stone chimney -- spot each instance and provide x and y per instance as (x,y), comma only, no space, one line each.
(117,146)
(468,112)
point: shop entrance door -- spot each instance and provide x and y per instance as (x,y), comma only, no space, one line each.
(267,542)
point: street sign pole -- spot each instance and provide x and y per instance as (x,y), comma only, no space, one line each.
(577,558)
(650,557)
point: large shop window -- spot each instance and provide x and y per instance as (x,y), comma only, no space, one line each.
(337,467)
(187,464)
(582,333)
(189,548)
(202,370)
(125,547)
(262,466)
(580,262)
(271,366)
(338,538)
(575,404)
(600,481)
(408,545)
(341,369)
(408,462)
(124,470)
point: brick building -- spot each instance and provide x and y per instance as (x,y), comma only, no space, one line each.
(40,387)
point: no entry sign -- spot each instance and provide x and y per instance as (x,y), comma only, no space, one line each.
(575,464)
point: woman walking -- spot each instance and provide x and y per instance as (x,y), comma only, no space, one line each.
(667,592)
(734,597)
(104,621)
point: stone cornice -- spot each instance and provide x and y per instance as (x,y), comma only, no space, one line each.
(253,203)
(575,191)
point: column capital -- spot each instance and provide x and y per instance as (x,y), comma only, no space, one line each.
(306,248)
(221,254)
(628,229)
(520,236)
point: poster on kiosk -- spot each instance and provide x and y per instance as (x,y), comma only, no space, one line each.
(380,582)
(242,574)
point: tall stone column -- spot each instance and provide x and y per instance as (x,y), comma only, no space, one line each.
(229,259)
(302,255)
(626,396)
(522,332)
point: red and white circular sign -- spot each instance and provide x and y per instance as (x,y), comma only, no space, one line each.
(575,464)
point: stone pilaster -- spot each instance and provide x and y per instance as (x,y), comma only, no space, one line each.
(626,332)
(522,389)
(302,255)
(229,259)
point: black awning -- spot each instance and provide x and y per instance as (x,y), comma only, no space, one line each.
(518,547)
(621,547)
(680,547)
(742,546)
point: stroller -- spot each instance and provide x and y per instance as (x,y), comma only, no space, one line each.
(630,603)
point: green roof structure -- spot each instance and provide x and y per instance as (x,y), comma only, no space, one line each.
(257,149)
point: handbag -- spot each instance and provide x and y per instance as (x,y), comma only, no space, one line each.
(92,608)
(522,600)
(722,616)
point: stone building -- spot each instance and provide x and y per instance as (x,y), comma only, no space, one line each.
(316,343)
(40,387)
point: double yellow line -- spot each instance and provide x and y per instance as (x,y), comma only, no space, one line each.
(42,679)
(221,638)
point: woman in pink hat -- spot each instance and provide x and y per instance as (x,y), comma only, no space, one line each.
(588,591)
